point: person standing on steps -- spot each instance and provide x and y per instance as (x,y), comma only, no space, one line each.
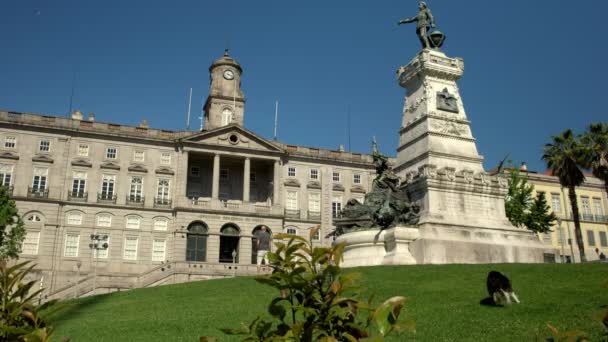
(263,247)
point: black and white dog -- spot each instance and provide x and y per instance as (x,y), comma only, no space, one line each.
(499,289)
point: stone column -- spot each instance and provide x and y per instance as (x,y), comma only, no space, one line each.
(276,181)
(215,187)
(246,172)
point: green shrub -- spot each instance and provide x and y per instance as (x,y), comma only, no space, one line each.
(19,315)
(315,301)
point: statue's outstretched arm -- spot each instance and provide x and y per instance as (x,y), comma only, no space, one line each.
(407,20)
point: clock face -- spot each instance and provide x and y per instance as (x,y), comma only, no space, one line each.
(228,74)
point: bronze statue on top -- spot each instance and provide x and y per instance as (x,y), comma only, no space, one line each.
(424,22)
(384,207)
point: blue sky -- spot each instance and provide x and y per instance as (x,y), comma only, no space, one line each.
(532,68)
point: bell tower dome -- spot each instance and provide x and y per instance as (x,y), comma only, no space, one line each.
(226,102)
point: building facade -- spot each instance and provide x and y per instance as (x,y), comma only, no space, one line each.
(593,210)
(109,206)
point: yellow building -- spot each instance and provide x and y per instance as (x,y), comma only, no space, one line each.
(592,203)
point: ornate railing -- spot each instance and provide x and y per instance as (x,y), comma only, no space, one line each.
(292,213)
(106,198)
(137,201)
(162,202)
(37,192)
(314,215)
(78,196)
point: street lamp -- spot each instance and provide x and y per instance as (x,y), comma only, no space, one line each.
(98,242)
(78,264)
(234,262)
(561,240)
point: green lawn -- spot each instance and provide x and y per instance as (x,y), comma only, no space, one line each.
(443,300)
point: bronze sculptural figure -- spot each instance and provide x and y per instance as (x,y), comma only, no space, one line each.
(424,22)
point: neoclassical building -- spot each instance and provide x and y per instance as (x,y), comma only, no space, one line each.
(109,206)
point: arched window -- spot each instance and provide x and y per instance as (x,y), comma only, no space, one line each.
(226,116)
(196,246)
(291,230)
(229,243)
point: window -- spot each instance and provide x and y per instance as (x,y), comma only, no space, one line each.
(130,251)
(336,206)
(590,238)
(161,224)
(102,253)
(356,178)
(556,203)
(195,171)
(586,205)
(74,219)
(34,218)
(111,152)
(162,191)
(79,181)
(224,174)
(6,174)
(314,202)
(107,187)
(336,176)
(138,156)
(104,220)
(597,205)
(136,191)
(133,222)
(292,231)
(291,172)
(30,243)
(291,200)
(317,235)
(165,158)
(314,174)
(10,142)
(40,178)
(83,150)
(226,116)
(603,240)
(44,146)
(158,250)
(71,245)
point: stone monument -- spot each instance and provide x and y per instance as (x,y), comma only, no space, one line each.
(461,207)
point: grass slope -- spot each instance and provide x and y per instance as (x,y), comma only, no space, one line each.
(443,300)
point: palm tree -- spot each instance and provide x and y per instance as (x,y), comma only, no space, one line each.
(563,158)
(595,145)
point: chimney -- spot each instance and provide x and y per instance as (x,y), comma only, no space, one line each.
(92,117)
(523,167)
(77,115)
(341,148)
(143,123)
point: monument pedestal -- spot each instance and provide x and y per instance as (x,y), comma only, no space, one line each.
(462,216)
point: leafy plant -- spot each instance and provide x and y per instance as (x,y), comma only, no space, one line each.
(316,301)
(12,231)
(19,315)
(524,211)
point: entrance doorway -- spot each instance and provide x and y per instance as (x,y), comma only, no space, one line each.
(229,243)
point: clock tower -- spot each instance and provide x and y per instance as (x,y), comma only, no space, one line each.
(226,102)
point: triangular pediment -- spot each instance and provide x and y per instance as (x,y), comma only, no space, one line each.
(9,155)
(42,159)
(109,165)
(164,171)
(138,168)
(81,162)
(233,136)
